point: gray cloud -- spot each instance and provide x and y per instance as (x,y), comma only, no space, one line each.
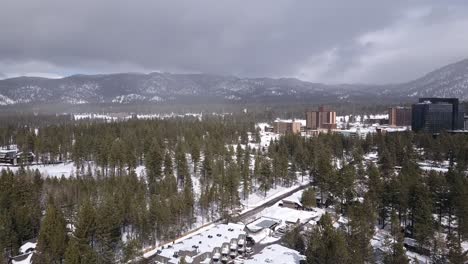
(326,41)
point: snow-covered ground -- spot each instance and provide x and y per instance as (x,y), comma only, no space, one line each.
(66,169)
(258,198)
(285,216)
(289,215)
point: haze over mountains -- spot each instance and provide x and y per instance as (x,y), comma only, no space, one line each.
(131,88)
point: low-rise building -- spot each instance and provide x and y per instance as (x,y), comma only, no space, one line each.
(14,156)
(290,203)
(207,245)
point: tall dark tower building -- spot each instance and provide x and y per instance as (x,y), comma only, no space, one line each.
(434,115)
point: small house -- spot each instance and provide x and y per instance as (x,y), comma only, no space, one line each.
(293,204)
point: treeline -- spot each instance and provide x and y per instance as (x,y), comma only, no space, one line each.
(106,213)
(393,194)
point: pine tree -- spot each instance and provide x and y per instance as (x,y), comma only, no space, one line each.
(360,232)
(397,251)
(131,251)
(189,199)
(107,231)
(327,245)
(85,228)
(239,154)
(374,194)
(423,223)
(294,240)
(154,160)
(439,250)
(344,184)
(72,253)
(438,188)
(207,168)
(52,241)
(195,154)
(308,198)
(324,177)
(265,178)
(232,184)
(257,166)
(245,173)
(181,165)
(182,260)
(116,156)
(456,254)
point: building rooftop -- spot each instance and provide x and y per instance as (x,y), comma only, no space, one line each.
(203,242)
(263,223)
(276,254)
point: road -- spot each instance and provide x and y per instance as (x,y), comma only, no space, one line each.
(247,215)
(244,217)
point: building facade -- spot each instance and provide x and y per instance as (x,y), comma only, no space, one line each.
(324,118)
(434,115)
(399,116)
(287,127)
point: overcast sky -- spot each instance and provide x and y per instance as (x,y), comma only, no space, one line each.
(362,41)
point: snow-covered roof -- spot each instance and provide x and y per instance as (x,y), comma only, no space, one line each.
(294,200)
(22,259)
(262,223)
(205,241)
(27,246)
(276,254)
(302,121)
(291,215)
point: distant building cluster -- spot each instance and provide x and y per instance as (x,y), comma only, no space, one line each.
(322,119)
(429,115)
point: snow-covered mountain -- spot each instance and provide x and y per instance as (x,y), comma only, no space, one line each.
(128,88)
(448,81)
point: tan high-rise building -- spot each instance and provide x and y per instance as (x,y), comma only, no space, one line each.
(324,118)
(399,116)
(286,127)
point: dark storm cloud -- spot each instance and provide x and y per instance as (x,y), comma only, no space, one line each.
(329,41)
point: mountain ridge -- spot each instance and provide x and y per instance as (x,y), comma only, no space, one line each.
(156,87)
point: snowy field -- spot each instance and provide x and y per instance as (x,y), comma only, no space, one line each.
(66,169)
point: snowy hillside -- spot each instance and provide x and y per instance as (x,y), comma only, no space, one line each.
(128,88)
(448,81)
